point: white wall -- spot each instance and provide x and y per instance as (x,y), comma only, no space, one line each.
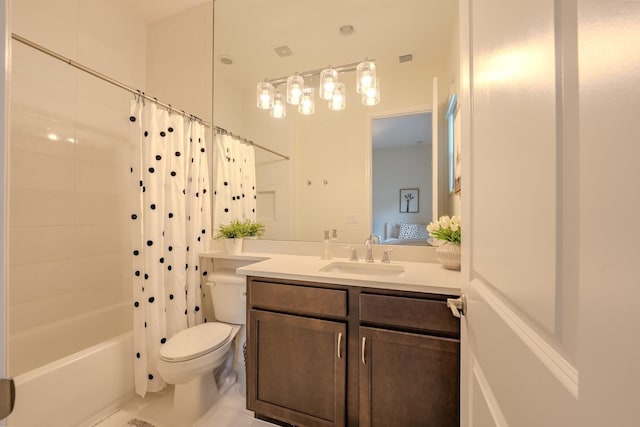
(336,146)
(69,233)
(273,174)
(450,86)
(179,67)
(396,168)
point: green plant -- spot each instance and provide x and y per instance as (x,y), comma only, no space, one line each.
(446,228)
(239,229)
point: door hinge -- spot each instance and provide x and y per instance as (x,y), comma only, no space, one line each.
(458,306)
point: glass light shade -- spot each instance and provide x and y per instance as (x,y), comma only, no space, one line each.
(365,75)
(264,95)
(338,100)
(279,109)
(295,84)
(307,102)
(372,95)
(328,81)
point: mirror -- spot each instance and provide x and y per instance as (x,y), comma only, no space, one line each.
(327,183)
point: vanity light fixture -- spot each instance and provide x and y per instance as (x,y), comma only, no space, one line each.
(338,101)
(371,96)
(330,89)
(365,76)
(328,81)
(279,110)
(295,84)
(265,94)
(307,102)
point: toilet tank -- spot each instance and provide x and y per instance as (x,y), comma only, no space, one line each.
(228,293)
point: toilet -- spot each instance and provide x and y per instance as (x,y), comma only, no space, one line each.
(199,360)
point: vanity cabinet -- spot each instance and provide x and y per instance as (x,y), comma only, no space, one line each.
(296,368)
(331,355)
(408,378)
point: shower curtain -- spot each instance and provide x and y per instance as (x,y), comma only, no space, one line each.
(234,184)
(171,225)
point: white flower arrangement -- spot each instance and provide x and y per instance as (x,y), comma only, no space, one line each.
(446,228)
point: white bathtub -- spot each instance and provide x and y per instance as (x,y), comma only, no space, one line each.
(68,391)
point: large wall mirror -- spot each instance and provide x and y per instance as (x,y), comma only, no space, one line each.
(335,178)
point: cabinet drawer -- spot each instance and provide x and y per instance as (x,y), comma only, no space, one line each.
(298,299)
(404,312)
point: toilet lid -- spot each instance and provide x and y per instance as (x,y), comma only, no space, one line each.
(196,341)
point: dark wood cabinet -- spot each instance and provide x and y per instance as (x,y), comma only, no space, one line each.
(297,368)
(332,355)
(408,379)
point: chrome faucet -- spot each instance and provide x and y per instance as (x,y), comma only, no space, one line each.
(369,244)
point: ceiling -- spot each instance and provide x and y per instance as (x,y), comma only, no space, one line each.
(401,131)
(249,30)
(150,11)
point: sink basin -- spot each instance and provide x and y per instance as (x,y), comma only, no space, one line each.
(362,269)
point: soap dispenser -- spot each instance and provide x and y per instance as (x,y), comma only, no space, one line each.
(326,250)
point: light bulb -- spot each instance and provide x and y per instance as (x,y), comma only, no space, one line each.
(365,75)
(295,84)
(372,95)
(279,110)
(328,80)
(307,102)
(338,101)
(265,95)
(371,92)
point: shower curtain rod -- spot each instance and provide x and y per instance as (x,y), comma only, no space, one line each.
(136,92)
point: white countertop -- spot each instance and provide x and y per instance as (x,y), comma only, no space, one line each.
(417,276)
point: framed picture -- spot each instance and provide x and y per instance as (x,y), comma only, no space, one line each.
(409,200)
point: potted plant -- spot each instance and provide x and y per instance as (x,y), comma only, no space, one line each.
(448,231)
(236,231)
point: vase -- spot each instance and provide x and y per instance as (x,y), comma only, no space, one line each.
(234,246)
(449,255)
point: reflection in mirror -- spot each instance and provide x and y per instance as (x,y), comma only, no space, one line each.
(327,183)
(401,178)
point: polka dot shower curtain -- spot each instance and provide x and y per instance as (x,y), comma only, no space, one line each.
(234,183)
(171,223)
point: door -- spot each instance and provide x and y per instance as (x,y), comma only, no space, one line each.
(548,131)
(408,379)
(299,369)
(7,388)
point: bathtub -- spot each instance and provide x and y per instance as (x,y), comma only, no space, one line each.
(71,390)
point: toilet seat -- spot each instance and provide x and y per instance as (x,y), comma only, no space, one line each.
(194,342)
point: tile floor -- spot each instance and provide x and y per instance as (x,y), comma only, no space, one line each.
(155,411)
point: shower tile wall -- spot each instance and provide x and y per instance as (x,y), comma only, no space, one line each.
(69,271)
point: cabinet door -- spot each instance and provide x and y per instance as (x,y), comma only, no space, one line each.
(297,369)
(408,379)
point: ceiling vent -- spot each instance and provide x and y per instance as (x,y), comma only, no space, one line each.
(283,51)
(405,58)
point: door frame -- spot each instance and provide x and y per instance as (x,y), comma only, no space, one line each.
(368,158)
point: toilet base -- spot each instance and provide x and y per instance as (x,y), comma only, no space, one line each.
(192,399)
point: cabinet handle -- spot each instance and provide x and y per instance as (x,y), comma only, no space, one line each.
(339,345)
(364,344)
